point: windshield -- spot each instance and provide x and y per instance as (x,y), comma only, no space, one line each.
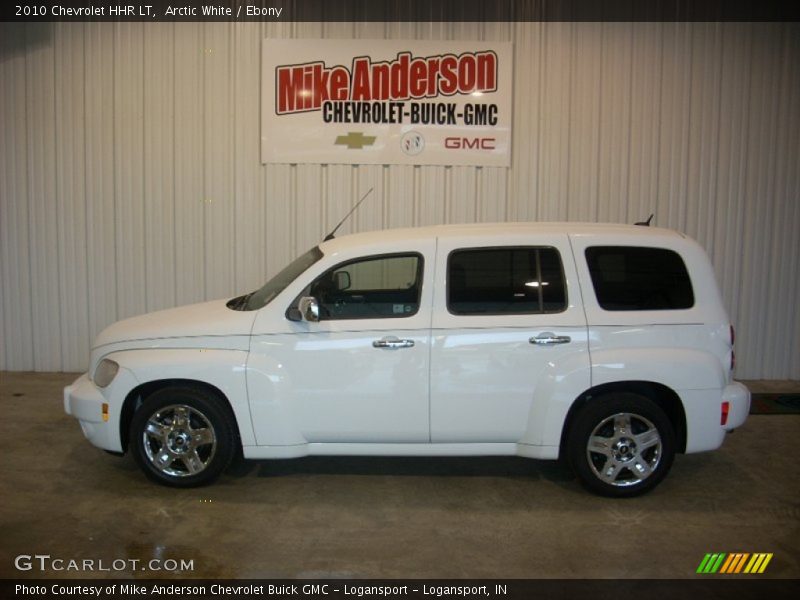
(264,295)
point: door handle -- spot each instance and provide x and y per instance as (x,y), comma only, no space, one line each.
(550,339)
(392,342)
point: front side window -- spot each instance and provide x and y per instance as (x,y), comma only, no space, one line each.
(376,287)
(636,278)
(513,280)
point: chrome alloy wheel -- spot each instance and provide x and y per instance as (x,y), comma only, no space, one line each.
(179,440)
(624,449)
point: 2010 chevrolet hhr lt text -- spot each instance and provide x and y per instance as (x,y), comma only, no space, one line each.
(605,344)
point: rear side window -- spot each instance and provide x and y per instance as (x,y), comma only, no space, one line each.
(633,278)
(492,281)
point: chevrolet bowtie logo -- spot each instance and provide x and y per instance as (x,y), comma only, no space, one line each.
(354,140)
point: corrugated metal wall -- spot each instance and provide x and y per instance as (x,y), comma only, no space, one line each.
(130,177)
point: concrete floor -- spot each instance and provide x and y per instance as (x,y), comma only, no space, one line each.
(377,517)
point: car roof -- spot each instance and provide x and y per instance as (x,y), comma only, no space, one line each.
(472,230)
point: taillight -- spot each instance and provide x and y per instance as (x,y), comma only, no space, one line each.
(723,418)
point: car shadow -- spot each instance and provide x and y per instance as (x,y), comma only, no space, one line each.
(488,466)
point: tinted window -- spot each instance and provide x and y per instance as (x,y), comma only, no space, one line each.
(505,281)
(370,288)
(630,278)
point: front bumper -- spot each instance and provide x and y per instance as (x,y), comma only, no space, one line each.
(739,397)
(84,401)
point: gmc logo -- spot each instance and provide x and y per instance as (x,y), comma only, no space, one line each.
(463,143)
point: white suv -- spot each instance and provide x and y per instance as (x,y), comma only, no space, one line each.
(605,344)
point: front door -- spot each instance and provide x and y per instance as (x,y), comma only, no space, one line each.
(361,373)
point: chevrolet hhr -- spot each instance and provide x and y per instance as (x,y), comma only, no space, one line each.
(606,345)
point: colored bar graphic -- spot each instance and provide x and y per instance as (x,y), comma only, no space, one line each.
(735,562)
(703,563)
(759,563)
(765,563)
(742,562)
(718,563)
(754,563)
(711,563)
(727,564)
(737,565)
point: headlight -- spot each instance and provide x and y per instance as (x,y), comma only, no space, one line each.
(105,372)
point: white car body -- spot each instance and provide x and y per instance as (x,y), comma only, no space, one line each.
(469,385)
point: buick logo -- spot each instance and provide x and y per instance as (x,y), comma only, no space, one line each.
(412,143)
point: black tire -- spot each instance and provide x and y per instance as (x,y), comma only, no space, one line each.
(628,456)
(183,437)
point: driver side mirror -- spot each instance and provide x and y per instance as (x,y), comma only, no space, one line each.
(341,280)
(309,309)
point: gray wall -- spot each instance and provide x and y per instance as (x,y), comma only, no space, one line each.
(130,177)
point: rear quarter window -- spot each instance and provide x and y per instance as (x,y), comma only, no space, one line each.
(637,278)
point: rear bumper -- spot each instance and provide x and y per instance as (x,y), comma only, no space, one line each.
(739,398)
(703,409)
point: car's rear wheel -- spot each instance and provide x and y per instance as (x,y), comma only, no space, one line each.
(621,445)
(182,437)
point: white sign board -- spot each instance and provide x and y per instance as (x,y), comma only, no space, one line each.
(386,102)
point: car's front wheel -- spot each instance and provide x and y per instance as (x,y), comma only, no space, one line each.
(182,437)
(621,445)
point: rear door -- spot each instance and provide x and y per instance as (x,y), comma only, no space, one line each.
(507,316)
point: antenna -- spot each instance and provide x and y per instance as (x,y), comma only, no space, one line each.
(646,223)
(347,216)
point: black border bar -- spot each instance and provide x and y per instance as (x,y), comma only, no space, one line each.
(412,10)
(741,587)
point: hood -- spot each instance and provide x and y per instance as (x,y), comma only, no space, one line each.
(195,320)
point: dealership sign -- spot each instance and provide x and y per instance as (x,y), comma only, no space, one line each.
(386,102)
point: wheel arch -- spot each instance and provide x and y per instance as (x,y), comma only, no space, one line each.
(666,398)
(135,398)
